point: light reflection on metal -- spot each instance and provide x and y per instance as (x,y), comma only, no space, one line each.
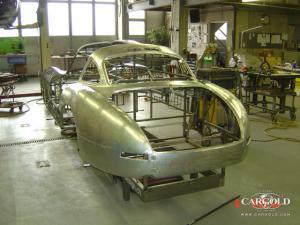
(92,103)
(112,118)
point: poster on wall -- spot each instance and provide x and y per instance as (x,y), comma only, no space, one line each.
(197,38)
(262,40)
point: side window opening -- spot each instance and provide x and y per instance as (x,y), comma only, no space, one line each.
(91,73)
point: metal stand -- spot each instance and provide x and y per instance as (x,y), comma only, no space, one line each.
(276,107)
(149,189)
(286,88)
(7,84)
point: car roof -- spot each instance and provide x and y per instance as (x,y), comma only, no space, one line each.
(102,44)
(127,49)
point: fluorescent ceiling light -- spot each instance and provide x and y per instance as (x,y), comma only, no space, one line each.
(250,0)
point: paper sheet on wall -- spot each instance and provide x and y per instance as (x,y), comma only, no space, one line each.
(276,39)
(263,39)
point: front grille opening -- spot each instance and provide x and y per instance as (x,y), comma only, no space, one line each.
(134,156)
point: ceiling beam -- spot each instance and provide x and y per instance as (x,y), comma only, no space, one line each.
(149,5)
(191,3)
(265,7)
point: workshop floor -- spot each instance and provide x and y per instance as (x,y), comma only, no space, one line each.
(64,192)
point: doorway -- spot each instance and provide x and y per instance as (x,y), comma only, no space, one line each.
(218,35)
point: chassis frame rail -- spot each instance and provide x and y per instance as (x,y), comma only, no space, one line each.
(154,189)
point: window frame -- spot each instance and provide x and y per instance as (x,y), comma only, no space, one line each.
(15,23)
(92,18)
(68,16)
(137,20)
(116,17)
(21,30)
(92,2)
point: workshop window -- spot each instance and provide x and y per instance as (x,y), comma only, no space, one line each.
(82,19)
(221,33)
(136,23)
(28,17)
(112,1)
(105,19)
(137,15)
(58,19)
(10,33)
(136,28)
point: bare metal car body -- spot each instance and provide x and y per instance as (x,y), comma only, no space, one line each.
(114,141)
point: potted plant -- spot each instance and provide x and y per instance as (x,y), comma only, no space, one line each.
(159,36)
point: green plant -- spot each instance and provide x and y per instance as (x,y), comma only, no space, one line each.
(159,36)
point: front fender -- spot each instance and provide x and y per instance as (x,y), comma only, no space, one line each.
(104,131)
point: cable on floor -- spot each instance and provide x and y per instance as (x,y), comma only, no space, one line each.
(280,125)
(32,100)
(267,140)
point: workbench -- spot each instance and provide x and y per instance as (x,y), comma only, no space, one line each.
(280,86)
(18,61)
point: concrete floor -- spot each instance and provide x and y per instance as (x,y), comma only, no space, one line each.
(68,193)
